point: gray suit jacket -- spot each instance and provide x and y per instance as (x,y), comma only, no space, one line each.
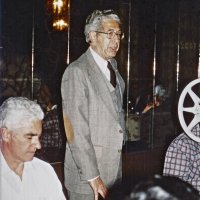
(92,126)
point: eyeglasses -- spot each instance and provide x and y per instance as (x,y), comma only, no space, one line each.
(111,34)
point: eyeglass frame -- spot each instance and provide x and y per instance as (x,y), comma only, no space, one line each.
(120,36)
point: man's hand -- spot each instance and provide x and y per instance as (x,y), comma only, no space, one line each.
(98,188)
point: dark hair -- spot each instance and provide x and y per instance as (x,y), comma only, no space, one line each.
(156,188)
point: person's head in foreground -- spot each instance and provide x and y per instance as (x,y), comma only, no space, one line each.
(158,188)
(20,129)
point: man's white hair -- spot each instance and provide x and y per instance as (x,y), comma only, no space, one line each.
(95,19)
(18,112)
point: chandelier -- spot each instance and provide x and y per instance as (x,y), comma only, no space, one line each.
(59,10)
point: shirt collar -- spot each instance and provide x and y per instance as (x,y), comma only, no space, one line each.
(102,63)
(6,170)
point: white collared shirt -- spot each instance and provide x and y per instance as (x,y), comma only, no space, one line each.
(39,182)
(102,64)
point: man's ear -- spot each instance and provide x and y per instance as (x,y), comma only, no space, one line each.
(92,36)
(5,135)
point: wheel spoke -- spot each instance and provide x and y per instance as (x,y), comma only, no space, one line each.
(189,109)
(194,97)
(193,123)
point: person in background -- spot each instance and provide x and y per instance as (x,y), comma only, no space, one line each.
(92,97)
(24,177)
(53,136)
(144,103)
(182,158)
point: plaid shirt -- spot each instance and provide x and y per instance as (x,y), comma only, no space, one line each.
(183,159)
(51,135)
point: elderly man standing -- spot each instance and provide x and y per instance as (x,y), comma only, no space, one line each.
(92,94)
(24,177)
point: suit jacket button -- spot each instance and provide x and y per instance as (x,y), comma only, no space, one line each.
(119,150)
(120,131)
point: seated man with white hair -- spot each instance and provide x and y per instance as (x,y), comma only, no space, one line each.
(24,177)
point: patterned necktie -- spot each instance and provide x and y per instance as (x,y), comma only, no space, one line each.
(112,75)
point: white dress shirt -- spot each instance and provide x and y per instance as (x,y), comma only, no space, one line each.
(102,64)
(39,182)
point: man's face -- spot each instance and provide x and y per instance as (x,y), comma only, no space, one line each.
(23,142)
(105,47)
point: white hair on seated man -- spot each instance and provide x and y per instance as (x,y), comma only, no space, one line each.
(16,112)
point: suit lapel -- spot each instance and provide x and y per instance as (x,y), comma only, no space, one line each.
(98,82)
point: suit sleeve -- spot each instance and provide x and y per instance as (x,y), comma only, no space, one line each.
(75,97)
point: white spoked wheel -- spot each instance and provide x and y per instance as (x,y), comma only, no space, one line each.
(194,109)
